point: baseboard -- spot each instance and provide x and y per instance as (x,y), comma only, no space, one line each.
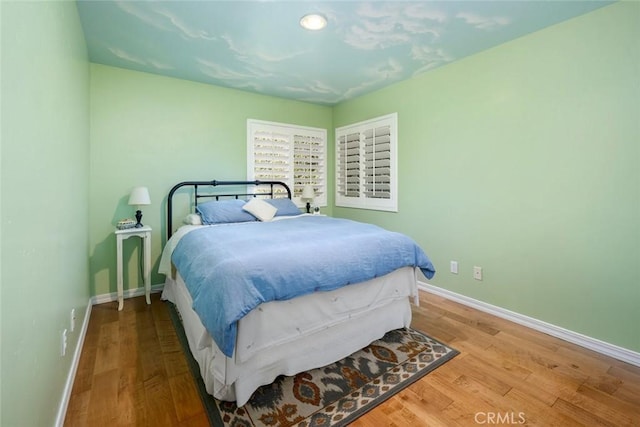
(129,293)
(594,344)
(71,376)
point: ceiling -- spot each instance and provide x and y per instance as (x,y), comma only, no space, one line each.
(259,46)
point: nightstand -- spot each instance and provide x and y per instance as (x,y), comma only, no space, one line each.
(144,233)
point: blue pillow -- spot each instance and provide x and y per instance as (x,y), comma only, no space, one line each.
(284,205)
(224,211)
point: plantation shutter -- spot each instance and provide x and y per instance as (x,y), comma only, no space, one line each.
(309,164)
(377,170)
(293,154)
(366,164)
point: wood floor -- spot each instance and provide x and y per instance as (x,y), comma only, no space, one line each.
(132,372)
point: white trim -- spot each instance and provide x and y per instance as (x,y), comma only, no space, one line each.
(129,293)
(71,376)
(612,350)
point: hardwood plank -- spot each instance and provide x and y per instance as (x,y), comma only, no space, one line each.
(580,415)
(421,411)
(426,392)
(605,383)
(406,417)
(628,373)
(86,365)
(464,337)
(629,393)
(160,407)
(552,384)
(108,349)
(605,406)
(131,397)
(152,363)
(485,374)
(78,409)
(582,359)
(186,400)
(530,359)
(502,325)
(535,412)
(420,322)
(470,398)
(199,420)
(104,399)
(175,364)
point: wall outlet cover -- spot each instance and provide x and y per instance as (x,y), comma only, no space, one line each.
(454,267)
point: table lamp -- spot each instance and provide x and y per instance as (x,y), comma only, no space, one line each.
(308,194)
(139,196)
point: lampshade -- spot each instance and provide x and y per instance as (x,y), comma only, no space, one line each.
(308,193)
(139,196)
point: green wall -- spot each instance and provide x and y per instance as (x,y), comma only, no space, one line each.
(524,160)
(156,131)
(44,214)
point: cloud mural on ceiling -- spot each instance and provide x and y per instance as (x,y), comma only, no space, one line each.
(258,46)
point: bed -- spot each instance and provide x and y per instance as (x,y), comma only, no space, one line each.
(264,290)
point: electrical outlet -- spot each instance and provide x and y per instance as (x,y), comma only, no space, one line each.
(63,343)
(477,273)
(454,267)
(72,320)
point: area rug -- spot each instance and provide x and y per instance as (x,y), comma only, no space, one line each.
(334,395)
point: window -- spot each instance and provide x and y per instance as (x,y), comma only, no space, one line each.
(366,164)
(293,154)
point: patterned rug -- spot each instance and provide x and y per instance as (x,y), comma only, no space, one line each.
(333,395)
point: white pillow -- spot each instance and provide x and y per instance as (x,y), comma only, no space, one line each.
(192,219)
(260,209)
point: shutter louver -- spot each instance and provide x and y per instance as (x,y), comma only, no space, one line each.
(377,162)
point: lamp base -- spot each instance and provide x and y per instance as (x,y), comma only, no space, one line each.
(139,218)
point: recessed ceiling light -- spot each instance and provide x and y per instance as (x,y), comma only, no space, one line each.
(313,21)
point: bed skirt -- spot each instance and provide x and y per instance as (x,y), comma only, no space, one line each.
(288,337)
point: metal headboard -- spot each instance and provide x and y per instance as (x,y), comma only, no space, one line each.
(271,185)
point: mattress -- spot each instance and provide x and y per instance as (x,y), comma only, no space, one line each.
(288,337)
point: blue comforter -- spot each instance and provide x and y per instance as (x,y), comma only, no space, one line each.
(231,269)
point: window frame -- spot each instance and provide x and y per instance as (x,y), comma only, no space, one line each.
(351,165)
